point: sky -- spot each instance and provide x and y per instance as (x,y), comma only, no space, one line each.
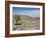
(35,12)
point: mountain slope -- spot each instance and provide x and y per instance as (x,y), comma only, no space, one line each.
(27,23)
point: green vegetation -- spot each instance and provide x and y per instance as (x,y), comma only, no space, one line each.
(23,22)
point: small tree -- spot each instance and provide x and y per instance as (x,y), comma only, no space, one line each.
(17,19)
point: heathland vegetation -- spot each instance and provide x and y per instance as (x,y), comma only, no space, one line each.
(24,22)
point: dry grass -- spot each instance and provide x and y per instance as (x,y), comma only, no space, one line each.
(27,23)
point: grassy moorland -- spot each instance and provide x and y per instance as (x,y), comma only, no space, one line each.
(26,22)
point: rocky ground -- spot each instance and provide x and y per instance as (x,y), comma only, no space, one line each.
(27,23)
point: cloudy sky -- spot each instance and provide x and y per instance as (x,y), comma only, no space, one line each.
(35,12)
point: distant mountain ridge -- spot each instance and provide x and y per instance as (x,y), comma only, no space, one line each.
(27,16)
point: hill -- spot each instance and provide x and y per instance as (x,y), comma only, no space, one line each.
(27,23)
